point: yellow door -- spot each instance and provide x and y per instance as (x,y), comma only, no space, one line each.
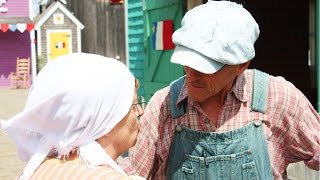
(59,43)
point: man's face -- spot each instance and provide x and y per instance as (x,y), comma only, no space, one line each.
(202,86)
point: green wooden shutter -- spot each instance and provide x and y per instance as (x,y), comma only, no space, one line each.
(135,41)
(158,71)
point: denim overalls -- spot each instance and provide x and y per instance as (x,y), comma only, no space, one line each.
(239,154)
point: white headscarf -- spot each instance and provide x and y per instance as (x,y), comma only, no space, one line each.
(74,100)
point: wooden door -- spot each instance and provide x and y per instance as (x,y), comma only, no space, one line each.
(158,71)
(59,43)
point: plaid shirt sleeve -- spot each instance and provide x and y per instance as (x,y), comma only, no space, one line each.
(304,142)
(295,126)
(142,156)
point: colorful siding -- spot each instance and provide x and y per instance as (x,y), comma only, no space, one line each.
(12,45)
(16,8)
(135,36)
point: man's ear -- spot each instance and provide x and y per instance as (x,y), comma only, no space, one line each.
(243,67)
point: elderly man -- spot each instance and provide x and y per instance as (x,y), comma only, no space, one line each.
(221,120)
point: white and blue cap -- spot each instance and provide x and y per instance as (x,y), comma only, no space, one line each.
(215,34)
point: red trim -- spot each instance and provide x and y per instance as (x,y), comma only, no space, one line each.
(30,27)
(116,1)
(4,27)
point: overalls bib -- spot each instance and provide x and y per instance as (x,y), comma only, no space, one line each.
(239,154)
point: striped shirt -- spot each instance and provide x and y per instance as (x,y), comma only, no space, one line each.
(291,126)
(55,169)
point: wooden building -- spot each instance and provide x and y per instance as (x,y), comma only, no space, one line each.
(58,32)
(16,41)
(105,27)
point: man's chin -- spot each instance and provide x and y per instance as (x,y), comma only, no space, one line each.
(196,98)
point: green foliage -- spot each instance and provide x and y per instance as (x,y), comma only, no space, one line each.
(40,63)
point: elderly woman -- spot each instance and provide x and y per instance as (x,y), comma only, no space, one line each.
(80,116)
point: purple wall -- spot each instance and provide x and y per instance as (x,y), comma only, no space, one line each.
(16,8)
(12,45)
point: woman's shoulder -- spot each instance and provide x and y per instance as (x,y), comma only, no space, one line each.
(58,169)
(106,172)
(132,178)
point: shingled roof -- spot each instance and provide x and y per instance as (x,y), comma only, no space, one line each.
(43,17)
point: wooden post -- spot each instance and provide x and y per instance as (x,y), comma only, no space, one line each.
(193,3)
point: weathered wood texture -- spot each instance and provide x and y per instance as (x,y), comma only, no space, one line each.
(104,31)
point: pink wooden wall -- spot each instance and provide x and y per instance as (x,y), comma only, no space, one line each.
(12,45)
(16,8)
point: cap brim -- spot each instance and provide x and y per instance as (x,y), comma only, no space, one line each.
(188,57)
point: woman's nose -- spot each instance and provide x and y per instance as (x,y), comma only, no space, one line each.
(140,110)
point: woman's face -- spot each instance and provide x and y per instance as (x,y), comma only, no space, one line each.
(124,134)
(129,126)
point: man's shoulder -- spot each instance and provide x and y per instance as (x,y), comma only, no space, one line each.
(275,80)
(278,86)
(166,90)
(279,83)
(280,89)
(163,95)
(160,96)
(162,92)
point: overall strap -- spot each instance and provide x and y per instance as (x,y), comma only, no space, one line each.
(260,91)
(175,89)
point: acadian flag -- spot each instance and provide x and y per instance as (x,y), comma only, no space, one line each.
(60,45)
(162,35)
